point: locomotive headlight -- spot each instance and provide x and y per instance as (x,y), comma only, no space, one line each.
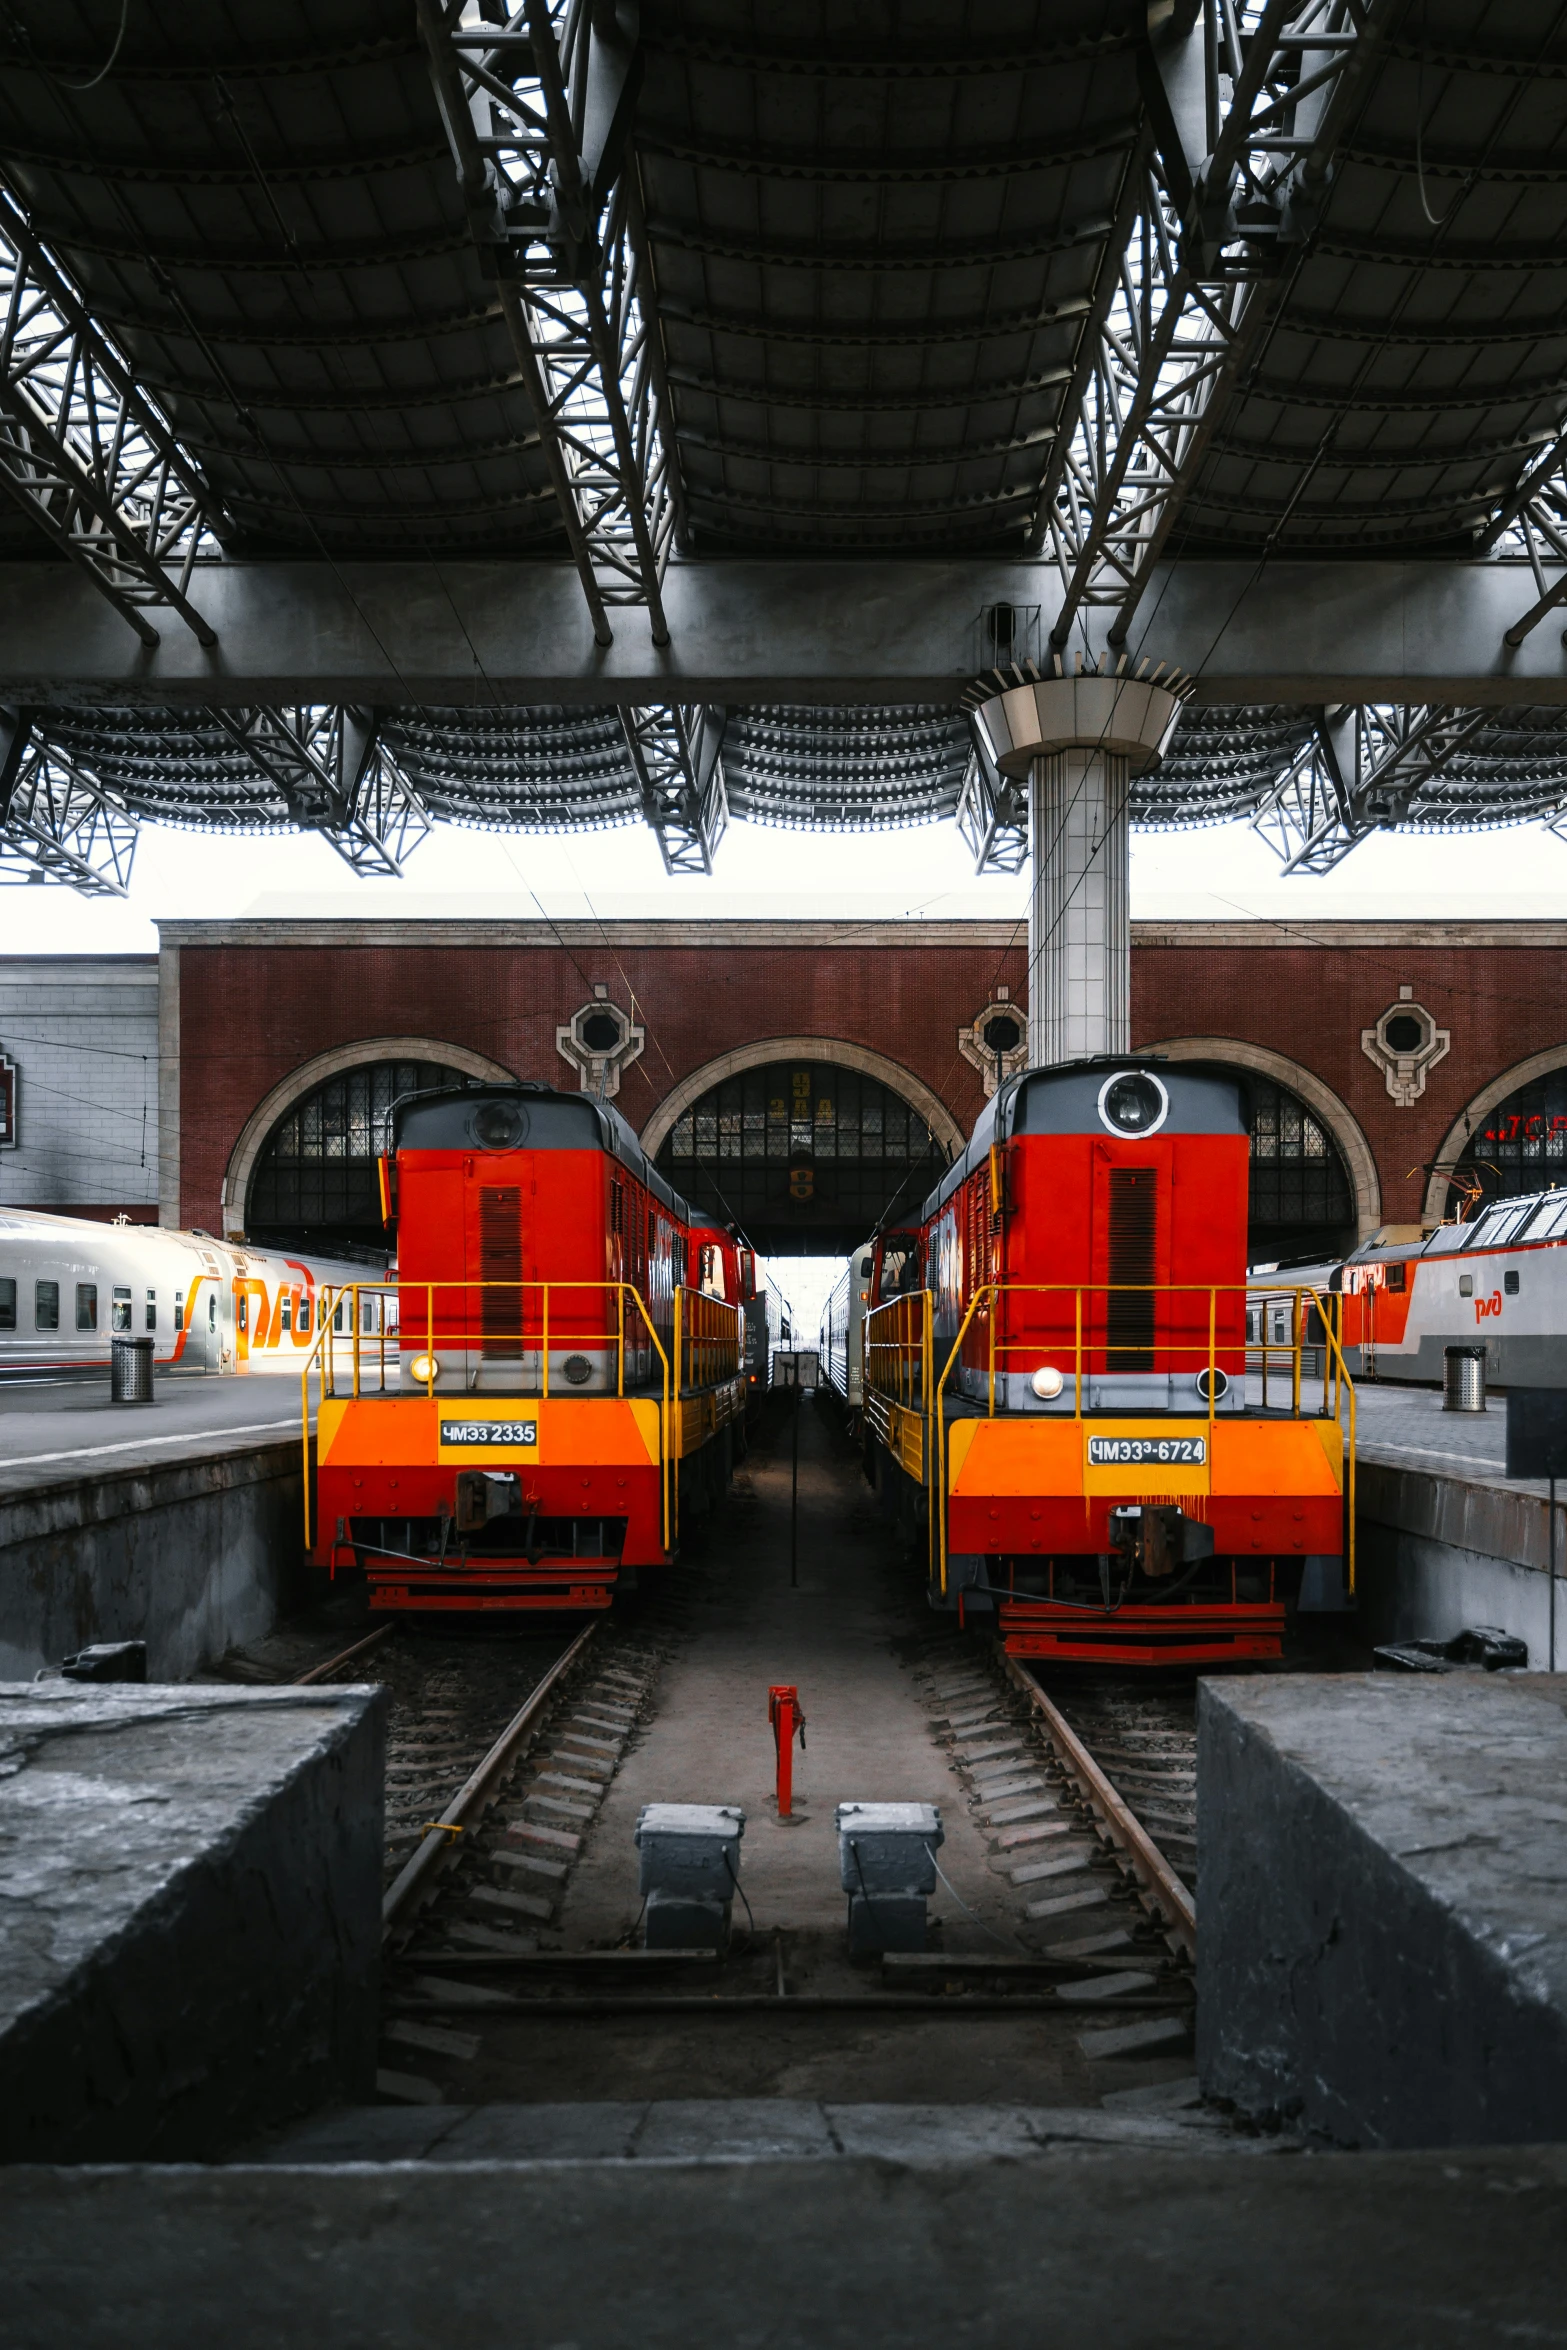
(425,1369)
(1133,1102)
(1047,1382)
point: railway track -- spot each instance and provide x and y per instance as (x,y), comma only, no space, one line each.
(1099,1899)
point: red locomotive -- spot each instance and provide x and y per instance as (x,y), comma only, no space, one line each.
(554,1380)
(1056,1381)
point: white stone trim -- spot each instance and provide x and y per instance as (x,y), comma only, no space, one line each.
(169,1086)
(1323,1103)
(892,1074)
(267,1113)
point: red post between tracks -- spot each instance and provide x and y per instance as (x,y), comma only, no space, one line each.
(788,1721)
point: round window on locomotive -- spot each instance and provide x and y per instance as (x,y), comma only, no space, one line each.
(1133,1103)
(499,1126)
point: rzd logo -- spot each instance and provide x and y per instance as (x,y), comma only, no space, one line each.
(1488,1305)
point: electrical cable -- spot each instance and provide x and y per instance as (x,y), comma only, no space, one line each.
(1007,1941)
(60,80)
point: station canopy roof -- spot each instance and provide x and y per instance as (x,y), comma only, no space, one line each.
(1103,285)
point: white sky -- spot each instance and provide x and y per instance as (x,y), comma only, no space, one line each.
(1224,872)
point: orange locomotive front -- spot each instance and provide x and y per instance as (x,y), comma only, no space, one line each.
(1057,1381)
(555,1378)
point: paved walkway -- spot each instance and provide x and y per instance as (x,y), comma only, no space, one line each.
(59,1432)
(847,1638)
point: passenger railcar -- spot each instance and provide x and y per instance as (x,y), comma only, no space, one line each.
(1055,1381)
(70,1285)
(842,1332)
(1499,1279)
(566,1383)
(767,1327)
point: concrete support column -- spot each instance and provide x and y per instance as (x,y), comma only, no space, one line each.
(1079,908)
(1079,741)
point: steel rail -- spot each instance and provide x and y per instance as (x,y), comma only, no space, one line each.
(335,1663)
(476,1999)
(1118,1822)
(476,1793)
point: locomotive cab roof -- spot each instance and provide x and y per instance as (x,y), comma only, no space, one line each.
(1080,1097)
(526,1116)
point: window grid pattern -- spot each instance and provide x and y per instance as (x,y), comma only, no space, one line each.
(1299,1183)
(802,1147)
(1522,1144)
(316,1177)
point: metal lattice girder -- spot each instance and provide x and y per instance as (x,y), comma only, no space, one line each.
(337,778)
(58,821)
(1244,131)
(676,754)
(84,452)
(536,105)
(993,815)
(1533,522)
(1358,773)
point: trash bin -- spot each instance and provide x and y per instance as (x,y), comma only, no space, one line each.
(130,1370)
(1463,1378)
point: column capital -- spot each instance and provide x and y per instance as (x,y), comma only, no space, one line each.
(1130,717)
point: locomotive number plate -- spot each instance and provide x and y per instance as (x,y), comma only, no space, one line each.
(490,1432)
(1107,1452)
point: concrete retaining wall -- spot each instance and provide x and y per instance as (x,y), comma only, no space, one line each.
(190,1915)
(1383,1950)
(190,1556)
(1435,1553)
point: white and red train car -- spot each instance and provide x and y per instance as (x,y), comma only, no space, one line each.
(1499,1279)
(69,1286)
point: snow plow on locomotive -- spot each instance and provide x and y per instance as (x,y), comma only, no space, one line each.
(1056,1382)
(558,1375)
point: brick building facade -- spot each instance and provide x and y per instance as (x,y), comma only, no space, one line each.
(1397,1037)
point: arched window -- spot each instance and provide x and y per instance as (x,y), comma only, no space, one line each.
(803,1154)
(1302,1201)
(314,1185)
(1519,1146)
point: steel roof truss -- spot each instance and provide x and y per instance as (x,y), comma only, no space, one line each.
(84,453)
(1199,276)
(993,815)
(58,821)
(337,777)
(1363,768)
(676,751)
(536,107)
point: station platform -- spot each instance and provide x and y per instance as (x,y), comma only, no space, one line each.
(1141,2246)
(190,1913)
(178,1522)
(1401,1978)
(1445,1538)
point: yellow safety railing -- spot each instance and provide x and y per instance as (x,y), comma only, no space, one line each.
(902,1362)
(356,1322)
(709,1343)
(897,1351)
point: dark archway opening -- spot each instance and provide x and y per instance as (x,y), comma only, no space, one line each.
(314,1185)
(806,1156)
(1521,1145)
(1302,1206)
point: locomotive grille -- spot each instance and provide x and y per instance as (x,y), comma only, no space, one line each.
(1129,1318)
(500,1259)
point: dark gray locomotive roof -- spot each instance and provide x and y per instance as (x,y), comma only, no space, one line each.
(1064,1101)
(442,1119)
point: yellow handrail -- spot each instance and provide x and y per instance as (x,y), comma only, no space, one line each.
(1338,1389)
(711,1351)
